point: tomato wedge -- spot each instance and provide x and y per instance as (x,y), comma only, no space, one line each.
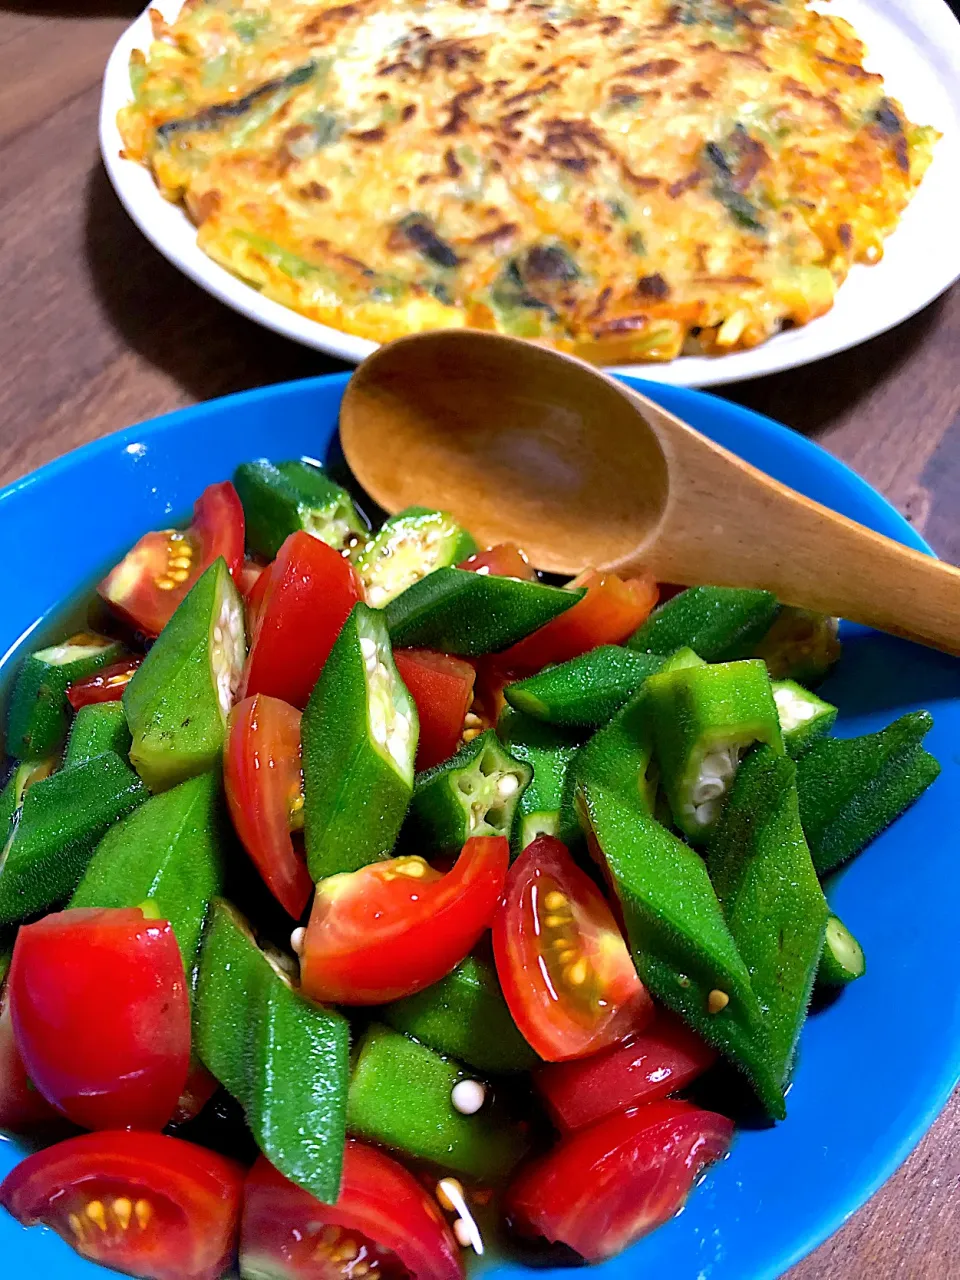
(565,970)
(664,1058)
(442,688)
(297,613)
(607,1185)
(395,927)
(384,1224)
(105,685)
(504,559)
(264,785)
(611,610)
(151,580)
(101,1014)
(21,1105)
(143,1203)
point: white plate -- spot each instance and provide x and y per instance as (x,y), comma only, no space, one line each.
(915,44)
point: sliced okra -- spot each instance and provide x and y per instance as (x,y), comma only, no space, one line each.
(842,960)
(586,691)
(24,775)
(96,728)
(177,702)
(850,789)
(255,1032)
(803,716)
(548,751)
(469,614)
(800,645)
(475,793)
(359,732)
(761,869)
(410,545)
(718,623)
(39,713)
(282,498)
(703,719)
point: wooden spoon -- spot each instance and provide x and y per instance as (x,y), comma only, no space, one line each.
(526,445)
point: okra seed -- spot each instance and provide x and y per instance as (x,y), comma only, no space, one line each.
(122,1209)
(716,1001)
(96,1213)
(368,647)
(468,1096)
(508,784)
(447,1189)
(296,940)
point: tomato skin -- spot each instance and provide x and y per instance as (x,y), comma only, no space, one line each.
(22,1106)
(110,985)
(395,927)
(306,597)
(105,685)
(607,1185)
(611,611)
(565,970)
(665,1057)
(131,587)
(442,688)
(378,1198)
(504,560)
(248,576)
(187,1228)
(264,784)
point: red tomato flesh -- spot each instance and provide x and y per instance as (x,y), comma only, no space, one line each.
(504,560)
(564,967)
(604,1187)
(264,785)
(105,685)
(22,1106)
(395,927)
(151,580)
(611,611)
(442,688)
(101,1015)
(664,1058)
(383,1221)
(297,613)
(143,1203)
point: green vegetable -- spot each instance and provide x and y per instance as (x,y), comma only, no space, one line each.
(400,1097)
(800,645)
(282,498)
(177,702)
(456,611)
(842,960)
(359,733)
(99,727)
(409,546)
(53,834)
(703,718)
(23,776)
(762,872)
(465,1016)
(39,713)
(719,623)
(586,691)
(803,716)
(475,793)
(170,851)
(548,751)
(850,789)
(285,1060)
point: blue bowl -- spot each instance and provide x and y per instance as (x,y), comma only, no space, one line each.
(859,1102)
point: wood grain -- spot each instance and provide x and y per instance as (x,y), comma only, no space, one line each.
(97,331)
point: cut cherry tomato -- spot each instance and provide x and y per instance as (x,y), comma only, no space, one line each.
(564,967)
(197,1092)
(442,688)
(307,595)
(249,575)
(143,1203)
(101,1013)
(395,927)
(607,1185)
(384,1225)
(105,685)
(611,610)
(488,699)
(664,1058)
(22,1106)
(264,785)
(151,580)
(505,560)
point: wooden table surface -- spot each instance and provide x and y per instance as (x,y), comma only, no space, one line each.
(97,331)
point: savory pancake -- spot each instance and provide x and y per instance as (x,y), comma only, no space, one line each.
(626,179)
